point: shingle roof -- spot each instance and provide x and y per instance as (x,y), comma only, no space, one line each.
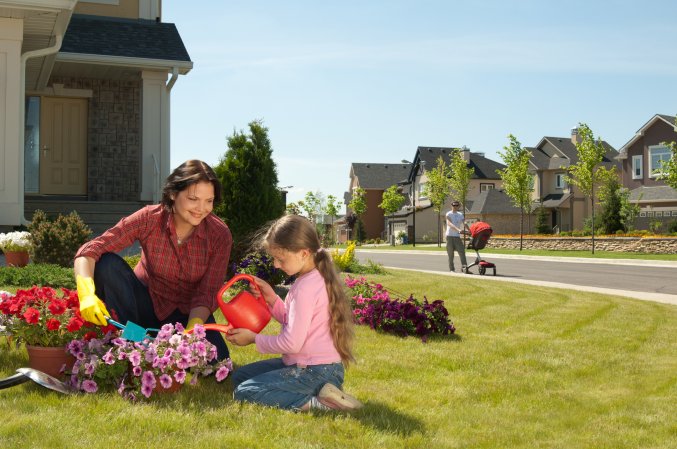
(492,201)
(555,199)
(379,175)
(567,154)
(653,193)
(484,168)
(112,36)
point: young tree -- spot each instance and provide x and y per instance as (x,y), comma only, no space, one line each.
(668,170)
(294,208)
(332,209)
(437,190)
(313,205)
(518,183)
(629,211)
(542,226)
(586,172)
(610,199)
(460,179)
(248,173)
(358,204)
(391,203)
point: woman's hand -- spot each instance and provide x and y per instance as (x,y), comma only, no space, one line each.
(241,336)
(269,294)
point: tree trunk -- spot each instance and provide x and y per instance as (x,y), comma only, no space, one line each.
(592,204)
(521,227)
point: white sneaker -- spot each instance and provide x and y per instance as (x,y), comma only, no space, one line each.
(331,396)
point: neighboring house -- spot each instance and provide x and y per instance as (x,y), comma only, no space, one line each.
(497,209)
(423,224)
(568,208)
(84,93)
(374,178)
(640,161)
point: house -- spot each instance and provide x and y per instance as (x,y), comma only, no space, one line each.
(640,160)
(374,178)
(85,88)
(495,207)
(567,207)
(418,218)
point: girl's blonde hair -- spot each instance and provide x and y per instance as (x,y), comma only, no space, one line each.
(295,233)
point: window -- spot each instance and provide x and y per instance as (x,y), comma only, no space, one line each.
(637,167)
(486,186)
(657,155)
(421,190)
(560,182)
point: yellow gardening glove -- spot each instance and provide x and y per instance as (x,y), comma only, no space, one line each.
(92,308)
(193,321)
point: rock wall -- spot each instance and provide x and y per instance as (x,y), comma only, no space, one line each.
(618,244)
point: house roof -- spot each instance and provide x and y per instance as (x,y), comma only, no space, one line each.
(669,119)
(653,194)
(379,176)
(564,154)
(113,36)
(492,201)
(484,168)
(555,200)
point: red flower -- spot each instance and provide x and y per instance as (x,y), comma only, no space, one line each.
(57,307)
(53,324)
(74,324)
(89,335)
(31,315)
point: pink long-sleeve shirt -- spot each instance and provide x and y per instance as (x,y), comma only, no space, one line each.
(305,338)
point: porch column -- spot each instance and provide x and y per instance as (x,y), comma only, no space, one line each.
(11,164)
(155,134)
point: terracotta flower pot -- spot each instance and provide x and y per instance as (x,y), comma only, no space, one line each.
(16,258)
(173,388)
(49,359)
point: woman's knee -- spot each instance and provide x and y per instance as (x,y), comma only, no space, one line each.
(109,265)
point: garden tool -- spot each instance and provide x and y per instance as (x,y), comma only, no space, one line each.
(25,374)
(243,310)
(132,331)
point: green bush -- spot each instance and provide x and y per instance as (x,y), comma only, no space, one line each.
(132,260)
(57,241)
(37,274)
(672,226)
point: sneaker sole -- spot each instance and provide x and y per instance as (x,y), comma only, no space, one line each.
(333,397)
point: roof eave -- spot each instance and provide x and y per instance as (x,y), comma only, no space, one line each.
(125,61)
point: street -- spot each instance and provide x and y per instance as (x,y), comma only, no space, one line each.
(642,279)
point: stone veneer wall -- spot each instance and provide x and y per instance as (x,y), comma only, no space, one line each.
(113,137)
(619,244)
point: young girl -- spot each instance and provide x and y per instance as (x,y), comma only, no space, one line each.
(316,336)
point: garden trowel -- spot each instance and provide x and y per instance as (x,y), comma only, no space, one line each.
(132,331)
(25,374)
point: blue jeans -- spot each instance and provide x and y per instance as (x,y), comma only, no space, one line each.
(271,382)
(122,292)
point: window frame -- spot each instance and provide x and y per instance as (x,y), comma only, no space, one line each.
(560,181)
(653,171)
(487,186)
(637,163)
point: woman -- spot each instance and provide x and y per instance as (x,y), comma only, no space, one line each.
(184,256)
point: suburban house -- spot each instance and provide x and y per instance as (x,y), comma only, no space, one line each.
(567,207)
(641,158)
(417,219)
(85,91)
(374,178)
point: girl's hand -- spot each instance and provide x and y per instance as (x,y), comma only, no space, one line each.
(241,336)
(269,294)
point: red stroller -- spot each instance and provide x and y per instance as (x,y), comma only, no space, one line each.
(480,233)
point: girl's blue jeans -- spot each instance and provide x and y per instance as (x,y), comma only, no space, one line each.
(271,382)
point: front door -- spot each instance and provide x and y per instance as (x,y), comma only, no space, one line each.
(63,146)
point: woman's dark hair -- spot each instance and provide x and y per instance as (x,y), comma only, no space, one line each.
(185,175)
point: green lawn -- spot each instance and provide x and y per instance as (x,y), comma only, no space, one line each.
(529,367)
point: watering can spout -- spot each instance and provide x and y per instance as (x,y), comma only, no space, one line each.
(242,311)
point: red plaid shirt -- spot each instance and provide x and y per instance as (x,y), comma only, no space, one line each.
(178,276)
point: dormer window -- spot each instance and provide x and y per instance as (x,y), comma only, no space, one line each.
(658,154)
(637,167)
(560,181)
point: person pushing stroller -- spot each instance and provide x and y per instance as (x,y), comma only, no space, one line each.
(455,227)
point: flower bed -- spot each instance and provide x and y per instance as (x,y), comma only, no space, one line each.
(375,306)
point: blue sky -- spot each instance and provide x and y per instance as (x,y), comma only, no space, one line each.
(369,81)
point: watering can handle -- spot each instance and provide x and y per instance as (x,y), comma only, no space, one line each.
(234,279)
(214,327)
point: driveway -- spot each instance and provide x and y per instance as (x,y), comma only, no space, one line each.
(641,279)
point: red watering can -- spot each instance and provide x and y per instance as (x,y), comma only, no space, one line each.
(244,310)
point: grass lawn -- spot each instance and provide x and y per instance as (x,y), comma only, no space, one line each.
(529,367)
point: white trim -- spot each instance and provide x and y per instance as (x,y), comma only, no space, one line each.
(640,158)
(57,90)
(640,132)
(102,2)
(47,5)
(125,61)
(652,169)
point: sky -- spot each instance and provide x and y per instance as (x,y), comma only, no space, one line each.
(370,81)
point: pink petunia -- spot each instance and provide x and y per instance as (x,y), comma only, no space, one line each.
(165,381)
(180,376)
(90,386)
(222,373)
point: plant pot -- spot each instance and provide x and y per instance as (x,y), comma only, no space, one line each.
(16,258)
(50,359)
(173,388)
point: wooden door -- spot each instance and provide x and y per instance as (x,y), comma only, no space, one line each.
(63,146)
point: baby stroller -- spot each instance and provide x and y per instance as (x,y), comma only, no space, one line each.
(480,233)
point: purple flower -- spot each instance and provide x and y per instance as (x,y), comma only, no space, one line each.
(146,390)
(108,357)
(135,358)
(222,373)
(165,381)
(180,376)
(148,378)
(136,371)
(90,386)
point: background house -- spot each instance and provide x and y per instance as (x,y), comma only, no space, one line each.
(85,88)
(567,207)
(640,158)
(374,178)
(425,224)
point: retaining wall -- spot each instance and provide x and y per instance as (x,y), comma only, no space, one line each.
(618,244)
